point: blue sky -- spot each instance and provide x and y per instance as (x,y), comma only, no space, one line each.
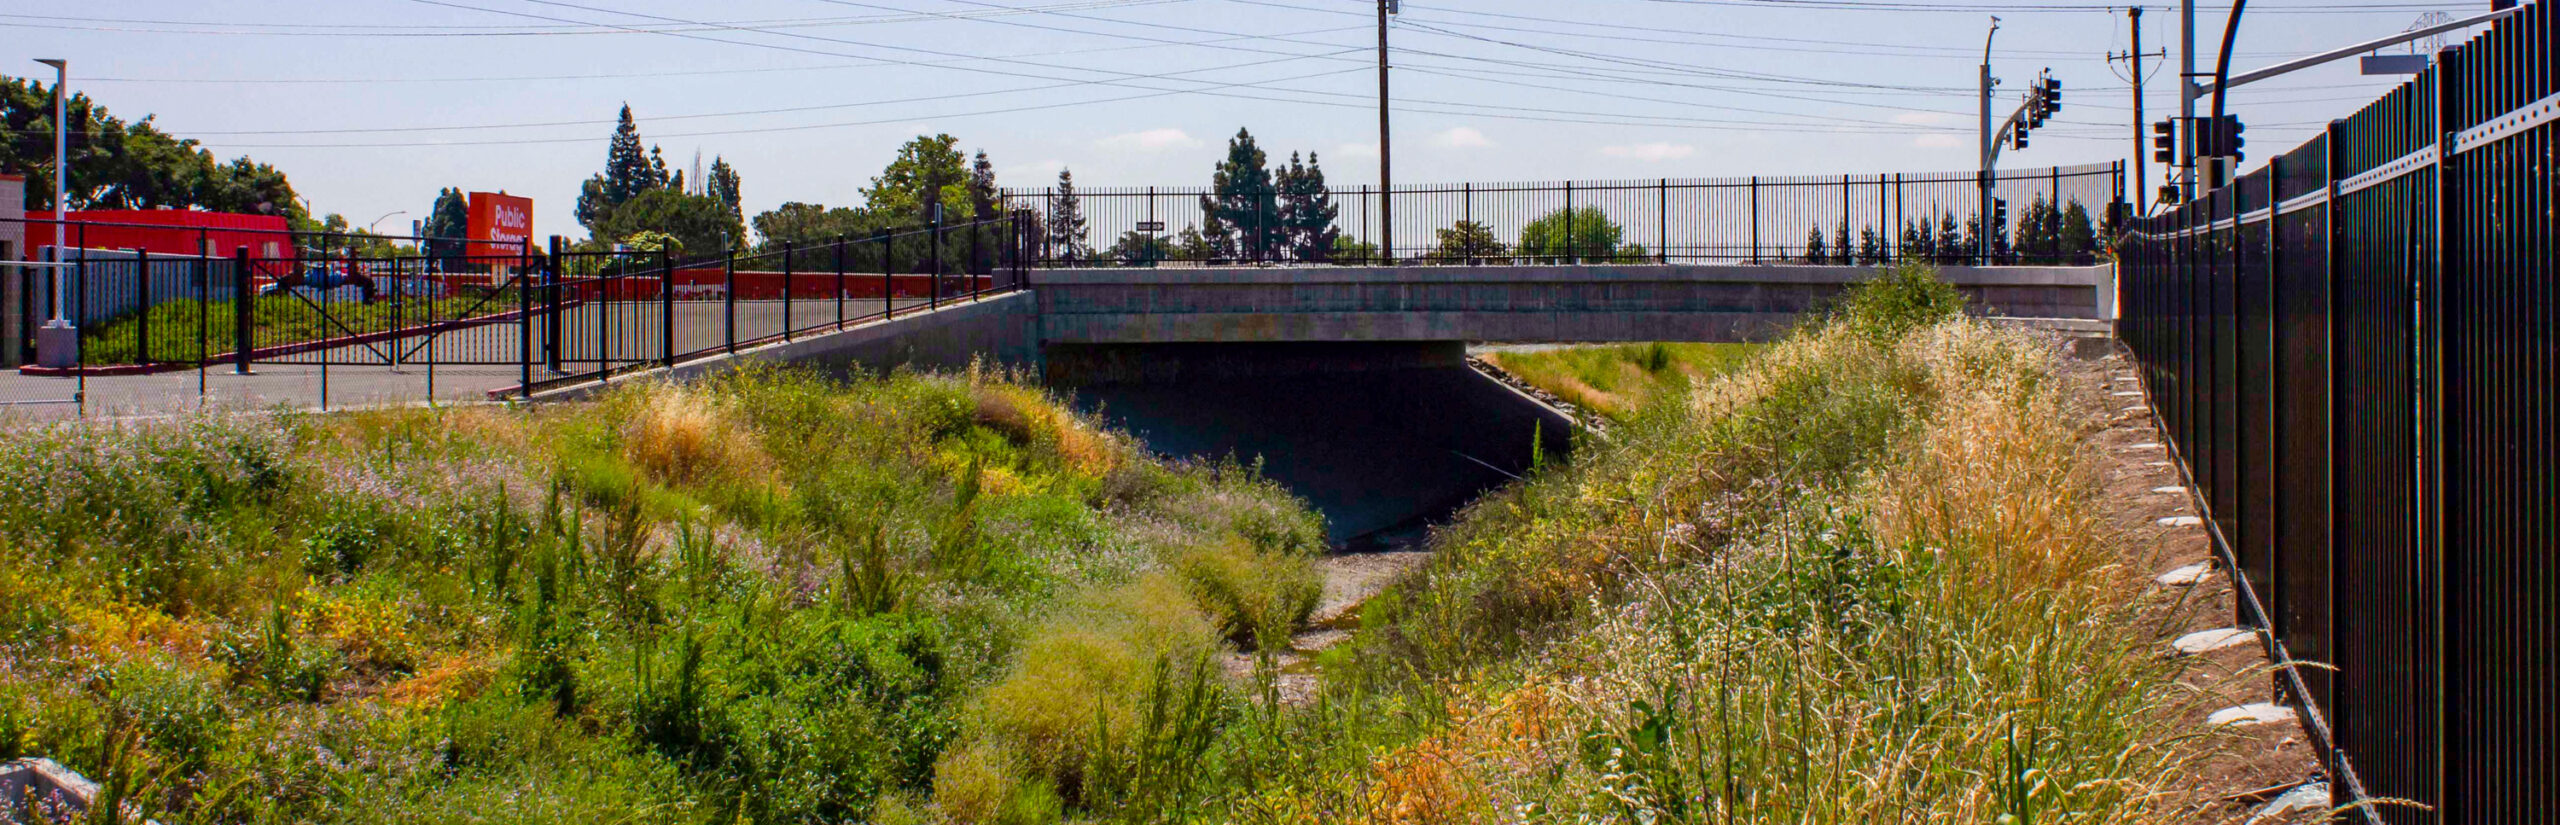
(373,105)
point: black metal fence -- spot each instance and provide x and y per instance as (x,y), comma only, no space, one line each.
(458,325)
(2352,351)
(2055,215)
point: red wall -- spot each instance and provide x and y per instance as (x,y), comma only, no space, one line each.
(266,235)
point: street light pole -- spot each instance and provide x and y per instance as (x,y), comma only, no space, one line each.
(1386,148)
(61,175)
(1982,221)
(2187,101)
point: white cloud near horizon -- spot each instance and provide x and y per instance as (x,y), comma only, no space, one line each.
(1650,152)
(1151,140)
(1462,137)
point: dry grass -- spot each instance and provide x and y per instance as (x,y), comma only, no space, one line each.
(680,436)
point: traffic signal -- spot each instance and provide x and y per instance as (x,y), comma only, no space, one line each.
(1999,211)
(2021,141)
(2168,193)
(2227,139)
(2164,141)
(2052,95)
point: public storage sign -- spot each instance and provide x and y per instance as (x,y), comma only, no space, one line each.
(500,223)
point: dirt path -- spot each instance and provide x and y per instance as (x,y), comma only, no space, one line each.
(1350,579)
(2177,579)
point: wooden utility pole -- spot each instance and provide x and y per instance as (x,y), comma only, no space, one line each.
(2141,169)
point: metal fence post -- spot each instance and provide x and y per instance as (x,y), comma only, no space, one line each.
(142,306)
(242,295)
(888,275)
(933,257)
(524,324)
(788,250)
(551,302)
(666,306)
(1755,219)
(1568,223)
(1662,220)
(839,260)
(729,300)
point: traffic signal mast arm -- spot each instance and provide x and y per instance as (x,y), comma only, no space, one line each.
(2042,101)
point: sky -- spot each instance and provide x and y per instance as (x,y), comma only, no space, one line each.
(372,106)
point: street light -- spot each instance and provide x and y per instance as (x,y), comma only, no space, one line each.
(57,343)
(368,228)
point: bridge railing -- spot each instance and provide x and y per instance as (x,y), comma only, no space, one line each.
(2052,215)
(2352,353)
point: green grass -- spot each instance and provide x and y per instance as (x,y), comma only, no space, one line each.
(769,598)
(185,330)
(1616,380)
(1856,576)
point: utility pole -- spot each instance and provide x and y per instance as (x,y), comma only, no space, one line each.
(2141,168)
(1982,224)
(2187,99)
(1386,148)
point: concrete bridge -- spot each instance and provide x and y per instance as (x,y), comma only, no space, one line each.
(1114,324)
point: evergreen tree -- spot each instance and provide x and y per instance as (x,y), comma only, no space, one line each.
(1307,210)
(1919,242)
(1240,222)
(1065,232)
(2079,235)
(723,185)
(985,203)
(1814,252)
(1840,242)
(1870,246)
(450,218)
(628,172)
(1951,246)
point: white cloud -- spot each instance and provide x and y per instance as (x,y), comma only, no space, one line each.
(1937,140)
(1650,152)
(1357,150)
(1151,140)
(1042,172)
(1463,137)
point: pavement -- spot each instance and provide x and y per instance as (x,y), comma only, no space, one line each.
(456,367)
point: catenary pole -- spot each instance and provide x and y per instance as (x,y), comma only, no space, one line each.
(2187,99)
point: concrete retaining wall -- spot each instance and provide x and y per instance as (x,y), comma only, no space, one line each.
(997,330)
(1509,303)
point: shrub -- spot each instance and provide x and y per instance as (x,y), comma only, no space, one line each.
(1901,298)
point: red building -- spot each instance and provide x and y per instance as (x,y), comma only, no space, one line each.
(165,232)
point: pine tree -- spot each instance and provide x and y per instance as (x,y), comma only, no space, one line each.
(1840,242)
(723,185)
(1951,241)
(1065,232)
(1870,245)
(1307,210)
(628,172)
(1813,246)
(2079,235)
(450,218)
(1239,222)
(985,204)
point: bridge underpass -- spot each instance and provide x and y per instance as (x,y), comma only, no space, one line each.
(1349,384)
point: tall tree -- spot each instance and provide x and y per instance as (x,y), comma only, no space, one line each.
(928,170)
(723,187)
(1239,220)
(1467,241)
(983,194)
(1307,210)
(1814,251)
(119,165)
(1065,231)
(450,218)
(629,171)
(2079,235)
(1594,237)
(1954,245)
